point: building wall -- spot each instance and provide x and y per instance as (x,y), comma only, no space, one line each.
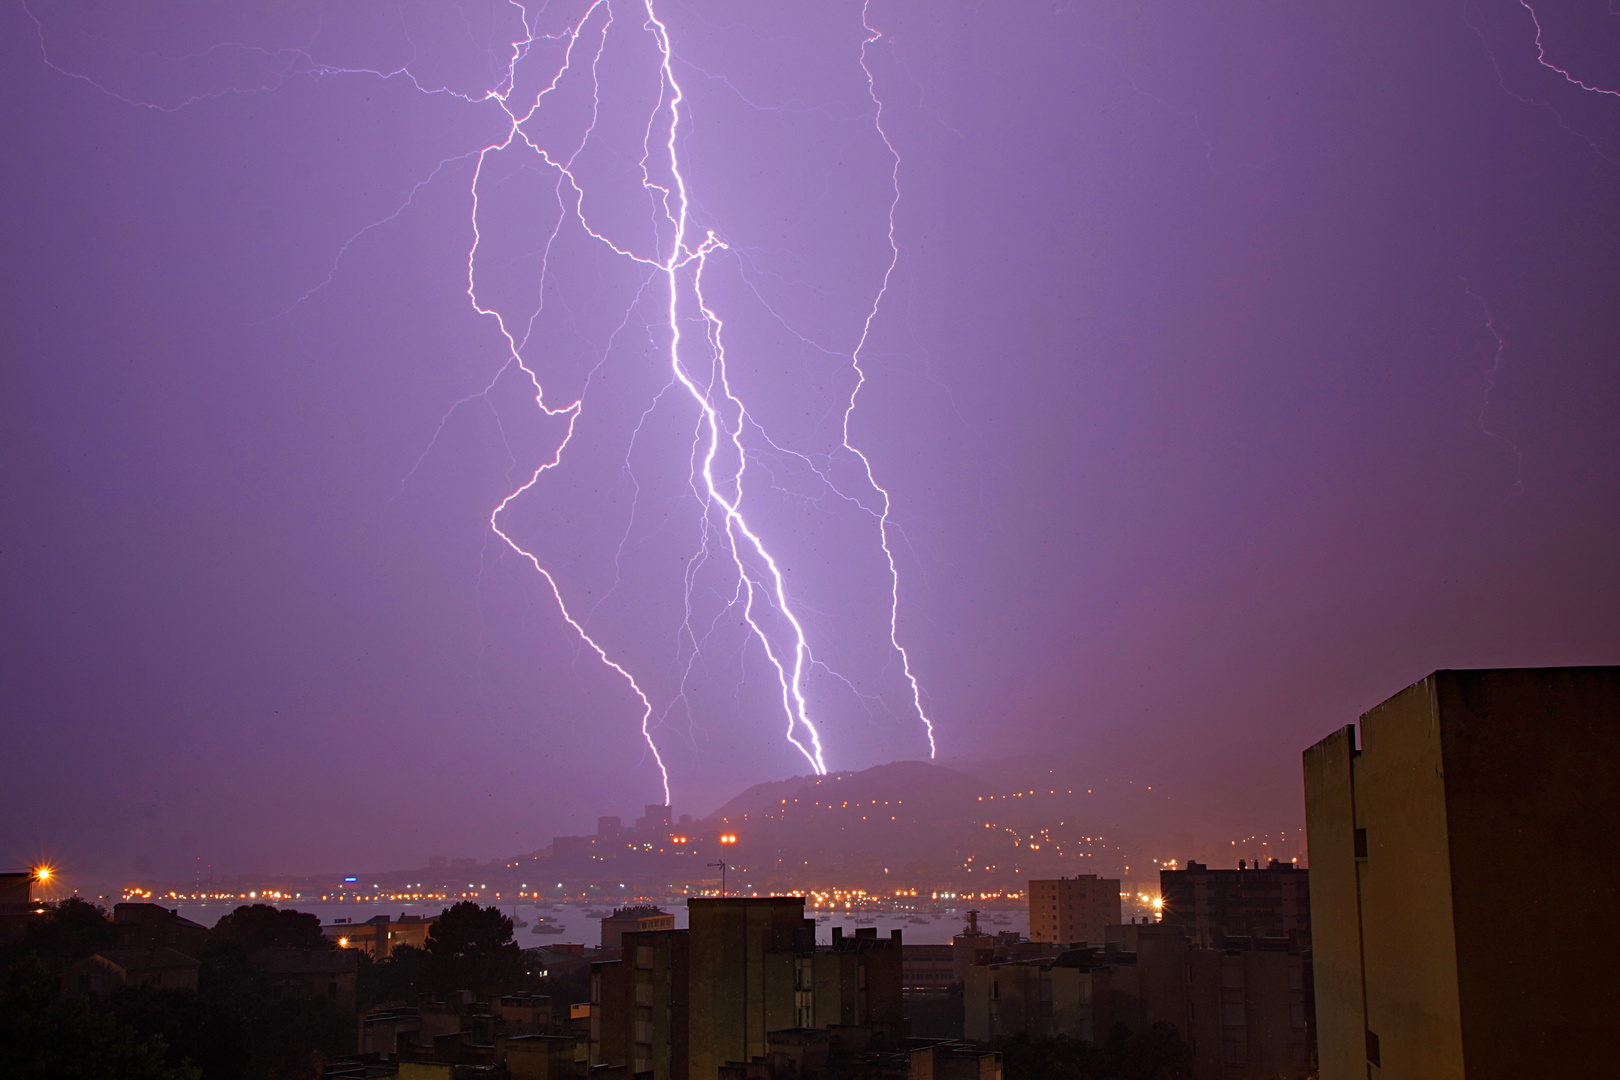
(1072,910)
(1532,792)
(1001,1000)
(612,1012)
(927,968)
(1209,903)
(660,994)
(1330,824)
(742,958)
(1403,953)
(1482,881)
(1408,937)
(1162,972)
(631,921)
(541,1057)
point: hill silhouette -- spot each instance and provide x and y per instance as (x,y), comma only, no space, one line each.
(998,823)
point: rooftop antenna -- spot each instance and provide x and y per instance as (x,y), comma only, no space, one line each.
(722,867)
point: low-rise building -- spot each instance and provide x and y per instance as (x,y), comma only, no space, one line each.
(953,1061)
(546,1057)
(158,967)
(151,925)
(379,936)
(1243,1008)
(17,904)
(385,1029)
(633,920)
(327,973)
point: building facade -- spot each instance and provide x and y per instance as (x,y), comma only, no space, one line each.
(691,1004)
(379,936)
(633,920)
(1243,1008)
(156,968)
(1069,911)
(148,925)
(1274,900)
(1465,869)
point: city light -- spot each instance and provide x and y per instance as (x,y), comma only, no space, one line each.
(43,873)
(728,838)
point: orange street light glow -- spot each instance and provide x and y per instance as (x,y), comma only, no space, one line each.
(728,838)
(42,873)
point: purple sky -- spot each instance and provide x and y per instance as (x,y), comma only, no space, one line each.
(1240,365)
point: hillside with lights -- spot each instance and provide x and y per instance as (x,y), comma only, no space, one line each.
(907,829)
(915,825)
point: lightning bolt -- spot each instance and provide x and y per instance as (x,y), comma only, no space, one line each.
(1541,58)
(1563,73)
(676,261)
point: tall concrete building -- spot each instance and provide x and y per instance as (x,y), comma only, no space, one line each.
(1465,871)
(1274,901)
(744,975)
(687,1004)
(639,1006)
(1072,910)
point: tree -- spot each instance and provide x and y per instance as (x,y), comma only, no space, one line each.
(46,1038)
(471,948)
(64,932)
(260,926)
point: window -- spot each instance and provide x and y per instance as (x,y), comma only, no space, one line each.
(1372,1049)
(1296,978)
(1231,976)
(1237,1052)
(1232,1014)
(644,957)
(1296,1017)
(1361,843)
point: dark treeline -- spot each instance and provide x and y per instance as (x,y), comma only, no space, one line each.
(236,1025)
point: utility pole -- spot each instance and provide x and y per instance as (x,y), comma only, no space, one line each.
(722,867)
